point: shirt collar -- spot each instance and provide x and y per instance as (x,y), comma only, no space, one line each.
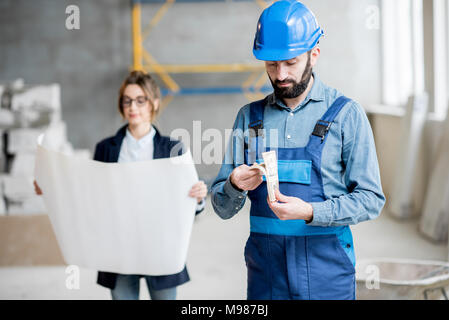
(316,93)
(145,140)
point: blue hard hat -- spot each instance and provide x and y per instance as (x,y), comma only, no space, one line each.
(285,30)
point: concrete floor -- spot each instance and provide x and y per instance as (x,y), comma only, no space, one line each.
(215,260)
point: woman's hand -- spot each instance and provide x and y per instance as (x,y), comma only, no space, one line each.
(198,191)
(37,189)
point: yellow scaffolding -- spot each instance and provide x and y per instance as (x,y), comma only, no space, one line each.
(143,60)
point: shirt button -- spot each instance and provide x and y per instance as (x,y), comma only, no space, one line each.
(291,114)
(288,136)
(236,208)
(240,197)
(348,245)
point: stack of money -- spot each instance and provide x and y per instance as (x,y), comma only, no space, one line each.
(269,169)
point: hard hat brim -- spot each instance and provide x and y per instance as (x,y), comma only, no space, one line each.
(277,55)
(272,54)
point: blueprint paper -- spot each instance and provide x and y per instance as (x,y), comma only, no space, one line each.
(128,218)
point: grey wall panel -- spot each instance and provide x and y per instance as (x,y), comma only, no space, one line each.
(90,63)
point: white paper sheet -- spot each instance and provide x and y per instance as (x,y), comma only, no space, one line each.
(129,218)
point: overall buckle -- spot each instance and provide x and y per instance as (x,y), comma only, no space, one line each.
(321,129)
(256,128)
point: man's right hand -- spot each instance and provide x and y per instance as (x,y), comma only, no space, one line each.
(245,178)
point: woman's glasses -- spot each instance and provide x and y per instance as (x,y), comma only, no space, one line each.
(141,101)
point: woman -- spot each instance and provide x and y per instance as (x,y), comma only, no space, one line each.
(138,140)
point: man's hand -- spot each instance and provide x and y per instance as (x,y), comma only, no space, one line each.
(290,208)
(245,178)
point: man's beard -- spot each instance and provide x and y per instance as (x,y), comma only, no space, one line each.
(297,88)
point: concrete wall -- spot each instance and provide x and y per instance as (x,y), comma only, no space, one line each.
(90,63)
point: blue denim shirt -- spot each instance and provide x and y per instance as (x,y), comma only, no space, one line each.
(350,170)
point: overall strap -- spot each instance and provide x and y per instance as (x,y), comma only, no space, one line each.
(319,134)
(255,131)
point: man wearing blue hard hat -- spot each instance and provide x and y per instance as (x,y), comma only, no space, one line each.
(300,246)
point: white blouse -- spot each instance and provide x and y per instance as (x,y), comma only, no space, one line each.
(137,150)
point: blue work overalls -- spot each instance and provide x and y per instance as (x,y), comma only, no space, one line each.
(288,259)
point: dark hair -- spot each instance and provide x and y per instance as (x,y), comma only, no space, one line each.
(147,84)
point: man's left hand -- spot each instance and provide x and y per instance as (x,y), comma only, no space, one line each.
(290,208)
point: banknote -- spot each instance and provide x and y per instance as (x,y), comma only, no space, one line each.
(269,168)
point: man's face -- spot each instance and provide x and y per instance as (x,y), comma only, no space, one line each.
(290,78)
